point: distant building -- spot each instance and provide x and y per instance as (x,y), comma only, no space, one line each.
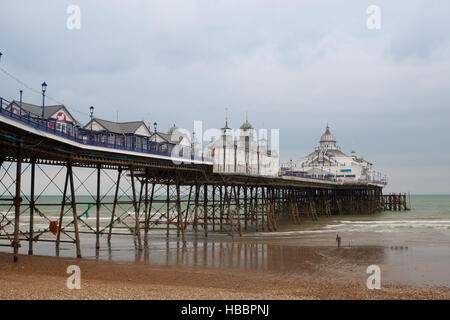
(174,137)
(244,154)
(329,162)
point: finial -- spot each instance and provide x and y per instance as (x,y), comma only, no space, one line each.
(226,117)
(246,116)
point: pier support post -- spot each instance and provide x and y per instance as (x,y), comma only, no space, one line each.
(221,207)
(32,206)
(17,202)
(137,230)
(245,209)
(205,209)
(238,208)
(228,195)
(179,213)
(256,208)
(186,215)
(74,209)
(61,213)
(97,203)
(195,222)
(214,207)
(149,215)
(116,194)
(167,208)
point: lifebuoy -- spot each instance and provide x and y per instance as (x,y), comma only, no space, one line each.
(54,227)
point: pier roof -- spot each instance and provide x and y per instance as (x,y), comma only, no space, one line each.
(49,111)
(119,127)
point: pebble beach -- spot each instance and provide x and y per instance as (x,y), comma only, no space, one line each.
(39,277)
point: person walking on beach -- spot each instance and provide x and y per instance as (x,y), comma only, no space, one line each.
(338,240)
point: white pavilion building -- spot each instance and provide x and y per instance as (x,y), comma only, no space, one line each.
(245,154)
(329,162)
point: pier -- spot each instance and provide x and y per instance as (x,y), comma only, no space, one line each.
(151,188)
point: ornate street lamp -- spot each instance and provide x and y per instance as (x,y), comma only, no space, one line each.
(44,88)
(155,125)
(91,110)
(193,146)
(20,110)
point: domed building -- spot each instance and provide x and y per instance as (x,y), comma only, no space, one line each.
(329,162)
(242,152)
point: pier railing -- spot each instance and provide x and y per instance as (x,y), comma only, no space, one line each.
(332,177)
(74,132)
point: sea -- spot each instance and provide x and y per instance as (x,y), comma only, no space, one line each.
(411,247)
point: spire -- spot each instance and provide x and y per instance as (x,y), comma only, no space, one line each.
(246,125)
(226,117)
(226,120)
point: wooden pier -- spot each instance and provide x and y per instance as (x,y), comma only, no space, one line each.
(149,193)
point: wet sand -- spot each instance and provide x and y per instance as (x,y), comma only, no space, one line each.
(289,264)
(286,273)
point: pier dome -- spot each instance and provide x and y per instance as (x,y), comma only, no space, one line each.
(246,125)
(327,139)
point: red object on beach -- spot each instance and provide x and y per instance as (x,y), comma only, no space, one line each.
(54,227)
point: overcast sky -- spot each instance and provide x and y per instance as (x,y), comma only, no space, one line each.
(293,65)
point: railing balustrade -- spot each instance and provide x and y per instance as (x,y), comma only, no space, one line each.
(73,132)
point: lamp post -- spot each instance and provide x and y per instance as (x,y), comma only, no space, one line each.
(155,125)
(193,146)
(20,106)
(91,110)
(44,88)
